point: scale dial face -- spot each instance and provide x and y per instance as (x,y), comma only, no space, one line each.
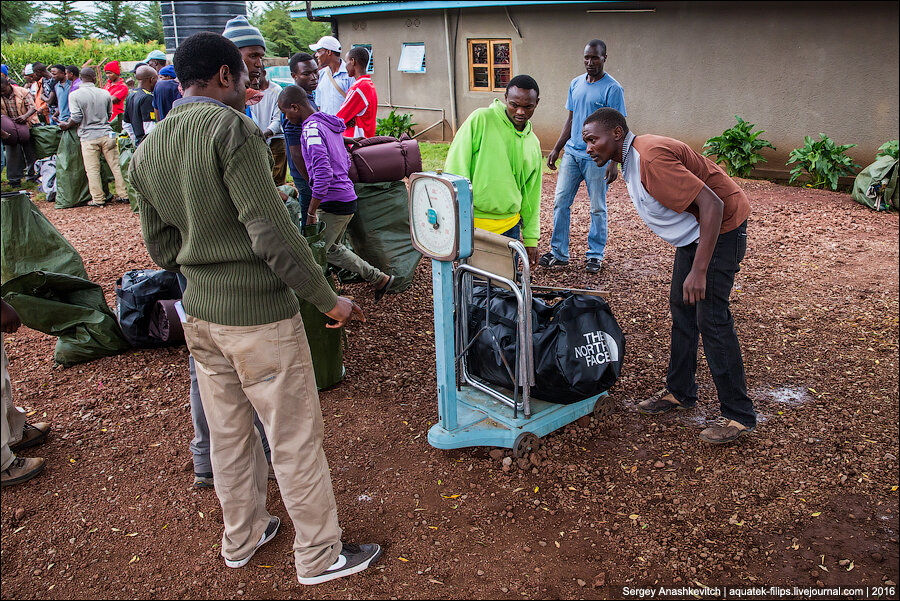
(434,218)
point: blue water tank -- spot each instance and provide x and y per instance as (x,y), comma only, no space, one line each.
(181,20)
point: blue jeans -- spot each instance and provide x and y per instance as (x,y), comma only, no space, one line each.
(572,171)
(712,318)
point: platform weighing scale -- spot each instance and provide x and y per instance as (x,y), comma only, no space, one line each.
(472,412)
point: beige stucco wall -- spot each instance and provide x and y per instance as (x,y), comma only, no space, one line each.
(794,69)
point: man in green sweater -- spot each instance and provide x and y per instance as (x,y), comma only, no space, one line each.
(210,210)
(497,151)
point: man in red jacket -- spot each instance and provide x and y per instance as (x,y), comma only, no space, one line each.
(361,104)
(118,90)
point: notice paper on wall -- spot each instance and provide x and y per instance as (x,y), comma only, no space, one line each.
(412,58)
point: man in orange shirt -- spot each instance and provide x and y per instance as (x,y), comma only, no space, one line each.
(118,90)
(688,201)
(361,104)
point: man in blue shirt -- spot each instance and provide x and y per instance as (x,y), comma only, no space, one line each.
(61,87)
(587,93)
(304,71)
(166,92)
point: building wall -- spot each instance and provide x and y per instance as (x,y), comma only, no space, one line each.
(794,69)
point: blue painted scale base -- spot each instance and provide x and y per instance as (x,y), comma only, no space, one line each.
(484,421)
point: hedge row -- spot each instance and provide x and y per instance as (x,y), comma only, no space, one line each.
(72,52)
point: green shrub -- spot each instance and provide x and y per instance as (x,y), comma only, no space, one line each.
(823,161)
(889,149)
(72,52)
(738,148)
(395,125)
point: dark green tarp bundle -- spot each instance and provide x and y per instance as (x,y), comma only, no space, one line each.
(325,344)
(379,232)
(71,178)
(126,151)
(876,185)
(31,243)
(63,303)
(46,140)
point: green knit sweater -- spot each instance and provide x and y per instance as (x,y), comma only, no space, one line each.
(210,209)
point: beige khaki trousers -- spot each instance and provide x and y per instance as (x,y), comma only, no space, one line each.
(341,256)
(12,418)
(91,150)
(267,368)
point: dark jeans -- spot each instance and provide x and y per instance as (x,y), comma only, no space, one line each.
(305,193)
(712,318)
(18,156)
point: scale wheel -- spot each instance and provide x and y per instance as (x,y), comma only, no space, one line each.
(526,443)
(603,408)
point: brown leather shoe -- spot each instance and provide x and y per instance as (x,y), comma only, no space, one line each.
(20,470)
(32,435)
(724,431)
(661,402)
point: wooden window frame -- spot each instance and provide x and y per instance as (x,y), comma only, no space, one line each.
(490,65)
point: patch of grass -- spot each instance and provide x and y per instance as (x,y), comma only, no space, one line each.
(435,154)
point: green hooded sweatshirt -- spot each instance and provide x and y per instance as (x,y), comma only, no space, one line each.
(504,166)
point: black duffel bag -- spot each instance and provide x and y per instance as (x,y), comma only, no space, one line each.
(578,345)
(136,295)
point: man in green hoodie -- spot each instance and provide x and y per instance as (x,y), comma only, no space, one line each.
(499,153)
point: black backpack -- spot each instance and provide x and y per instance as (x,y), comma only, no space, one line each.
(578,345)
(136,294)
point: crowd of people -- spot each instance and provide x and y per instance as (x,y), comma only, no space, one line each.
(219,221)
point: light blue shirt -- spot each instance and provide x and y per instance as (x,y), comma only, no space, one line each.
(327,96)
(585,98)
(62,99)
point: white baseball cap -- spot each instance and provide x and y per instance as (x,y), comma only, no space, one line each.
(28,70)
(328,43)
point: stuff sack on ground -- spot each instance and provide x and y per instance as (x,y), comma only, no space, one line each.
(46,140)
(137,293)
(47,183)
(876,185)
(384,159)
(71,178)
(578,345)
(29,242)
(165,323)
(126,151)
(379,232)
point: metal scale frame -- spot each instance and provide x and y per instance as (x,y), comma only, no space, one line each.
(471,412)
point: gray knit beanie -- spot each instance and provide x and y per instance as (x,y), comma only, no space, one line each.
(239,31)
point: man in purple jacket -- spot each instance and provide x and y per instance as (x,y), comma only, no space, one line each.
(333,197)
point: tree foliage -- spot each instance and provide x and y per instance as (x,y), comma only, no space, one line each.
(16,14)
(284,36)
(61,23)
(115,19)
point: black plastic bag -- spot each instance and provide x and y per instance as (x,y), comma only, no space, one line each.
(578,346)
(136,294)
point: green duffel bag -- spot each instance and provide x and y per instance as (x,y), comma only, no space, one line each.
(326,345)
(379,231)
(46,140)
(126,152)
(876,185)
(71,178)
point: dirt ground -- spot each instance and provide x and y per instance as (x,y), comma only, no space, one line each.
(810,499)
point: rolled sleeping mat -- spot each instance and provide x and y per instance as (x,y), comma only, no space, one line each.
(165,323)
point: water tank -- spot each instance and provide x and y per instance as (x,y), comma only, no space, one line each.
(181,20)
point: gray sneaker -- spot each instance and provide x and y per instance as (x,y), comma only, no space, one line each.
(593,265)
(353,559)
(22,469)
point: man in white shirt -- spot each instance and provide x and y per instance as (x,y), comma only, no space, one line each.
(334,81)
(267,117)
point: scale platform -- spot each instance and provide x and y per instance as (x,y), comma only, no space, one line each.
(482,420)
